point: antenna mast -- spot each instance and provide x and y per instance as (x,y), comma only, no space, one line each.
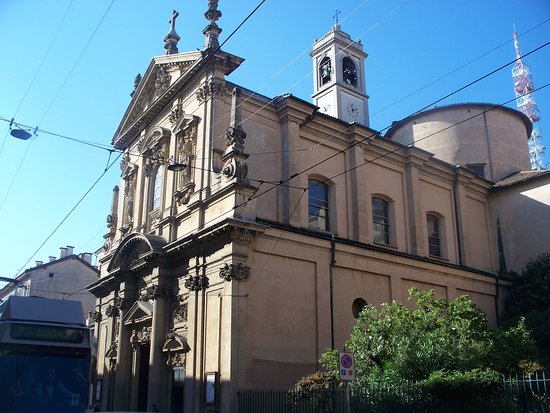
(525,99)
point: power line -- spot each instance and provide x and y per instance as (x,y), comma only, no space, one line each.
(120,154)
(370,136)
(506,43)
(69,213)
(55,97)
(429,105)
(282,182)
(46,54)
(76,63)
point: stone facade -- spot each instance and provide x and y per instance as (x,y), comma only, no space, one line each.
(245,219)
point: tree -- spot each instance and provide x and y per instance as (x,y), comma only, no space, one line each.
(395,343)
(528,297)
(445,348)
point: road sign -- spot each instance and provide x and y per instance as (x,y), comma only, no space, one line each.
(346,366)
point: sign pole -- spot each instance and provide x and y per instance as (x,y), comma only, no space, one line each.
(346,365)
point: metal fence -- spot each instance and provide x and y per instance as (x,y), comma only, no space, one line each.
(517,394)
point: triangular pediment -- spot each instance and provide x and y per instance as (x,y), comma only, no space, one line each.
(164,78)
(140,312)
(153,93)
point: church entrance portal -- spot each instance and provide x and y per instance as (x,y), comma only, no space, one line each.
(143,377)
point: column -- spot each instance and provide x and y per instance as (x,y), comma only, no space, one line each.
(124,354)
(157,388)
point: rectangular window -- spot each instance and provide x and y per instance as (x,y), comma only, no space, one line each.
(380,221)
(434,236)
(157,188)
(318,206)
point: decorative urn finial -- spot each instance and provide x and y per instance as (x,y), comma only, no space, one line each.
(212,31)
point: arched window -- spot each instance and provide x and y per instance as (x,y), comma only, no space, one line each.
(157,188)
(381,220)
(434,235)
(325,71)
(318,208)
(350,71)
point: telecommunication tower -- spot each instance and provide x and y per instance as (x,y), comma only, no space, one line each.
(525,99)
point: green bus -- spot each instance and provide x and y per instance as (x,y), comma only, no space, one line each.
(45,356)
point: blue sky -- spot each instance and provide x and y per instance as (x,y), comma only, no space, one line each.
(83,86)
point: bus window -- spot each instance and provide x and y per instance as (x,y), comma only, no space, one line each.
(43,383)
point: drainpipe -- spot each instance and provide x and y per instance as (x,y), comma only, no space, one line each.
(457,219)
(331,276)
(203,287)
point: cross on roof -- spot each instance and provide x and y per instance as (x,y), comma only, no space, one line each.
(335,17)
(172,20)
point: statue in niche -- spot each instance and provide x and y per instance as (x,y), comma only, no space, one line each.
(185,153)
(186,141)
(129,194)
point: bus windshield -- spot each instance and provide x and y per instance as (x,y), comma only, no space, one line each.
(33,382)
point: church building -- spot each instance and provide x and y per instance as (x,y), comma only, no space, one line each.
(248,232)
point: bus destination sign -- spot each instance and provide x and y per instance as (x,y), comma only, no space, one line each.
(36,332)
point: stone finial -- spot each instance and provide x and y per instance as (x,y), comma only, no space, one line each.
(234,157)
(336,20)
(212,31)
(137,81)
(171,39)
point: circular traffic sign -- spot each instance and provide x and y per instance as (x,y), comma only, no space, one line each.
(346,361)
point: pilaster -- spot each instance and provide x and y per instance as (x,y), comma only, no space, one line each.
(416,224)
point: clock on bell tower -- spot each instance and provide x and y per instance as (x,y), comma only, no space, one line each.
(339,77)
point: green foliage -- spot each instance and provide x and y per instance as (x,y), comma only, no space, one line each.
(397,343)
(440,347)
(528,297)
(329,362)
(472,382)
(315,390)
(514,349)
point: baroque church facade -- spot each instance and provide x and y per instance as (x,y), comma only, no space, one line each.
(248,232)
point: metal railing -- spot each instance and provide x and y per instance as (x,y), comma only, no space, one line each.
(514,394)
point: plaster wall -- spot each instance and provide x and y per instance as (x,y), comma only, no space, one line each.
(287,319)
(470,134)
(523,211)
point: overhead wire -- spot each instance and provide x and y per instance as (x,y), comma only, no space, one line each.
(282,182)
(506,43)
(372,135)
(46,54)
(120,154)
(14,177)
(279,184)
(69,213)
(77,61)
(310,73)
(397,148)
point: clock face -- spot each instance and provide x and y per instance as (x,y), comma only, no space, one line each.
(352,110)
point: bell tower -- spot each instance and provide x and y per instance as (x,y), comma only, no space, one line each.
(339,77)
